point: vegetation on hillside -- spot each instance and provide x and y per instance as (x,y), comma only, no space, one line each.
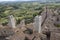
(20,10)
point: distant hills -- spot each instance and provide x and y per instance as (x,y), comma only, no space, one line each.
(41,1)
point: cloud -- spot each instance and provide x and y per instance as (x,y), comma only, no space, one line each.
(7,0)
(19,0)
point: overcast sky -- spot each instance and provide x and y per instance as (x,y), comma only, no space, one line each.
(23,0)
(30,0)
(18,0)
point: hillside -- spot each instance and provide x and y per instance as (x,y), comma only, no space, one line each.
(20,10)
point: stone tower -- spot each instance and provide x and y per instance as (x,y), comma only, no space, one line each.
(37,23)
(12,21)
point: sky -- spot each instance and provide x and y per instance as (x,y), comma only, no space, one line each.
(18,0)
(30,0)
(23,0)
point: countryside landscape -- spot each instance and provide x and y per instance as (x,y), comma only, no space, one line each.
(30,20)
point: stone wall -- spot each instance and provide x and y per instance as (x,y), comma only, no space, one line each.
(55,34)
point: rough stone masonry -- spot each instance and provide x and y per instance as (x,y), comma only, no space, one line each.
(38,20)
(22,23)
(11,21)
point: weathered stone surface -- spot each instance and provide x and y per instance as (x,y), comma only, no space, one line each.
(37,23)
(31,26)
(18,36)
(6,32)
(43,37)
(50,20)
(55,36)
(12,21)
(1,25)
(37,38)
(22,23)
(30,37)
